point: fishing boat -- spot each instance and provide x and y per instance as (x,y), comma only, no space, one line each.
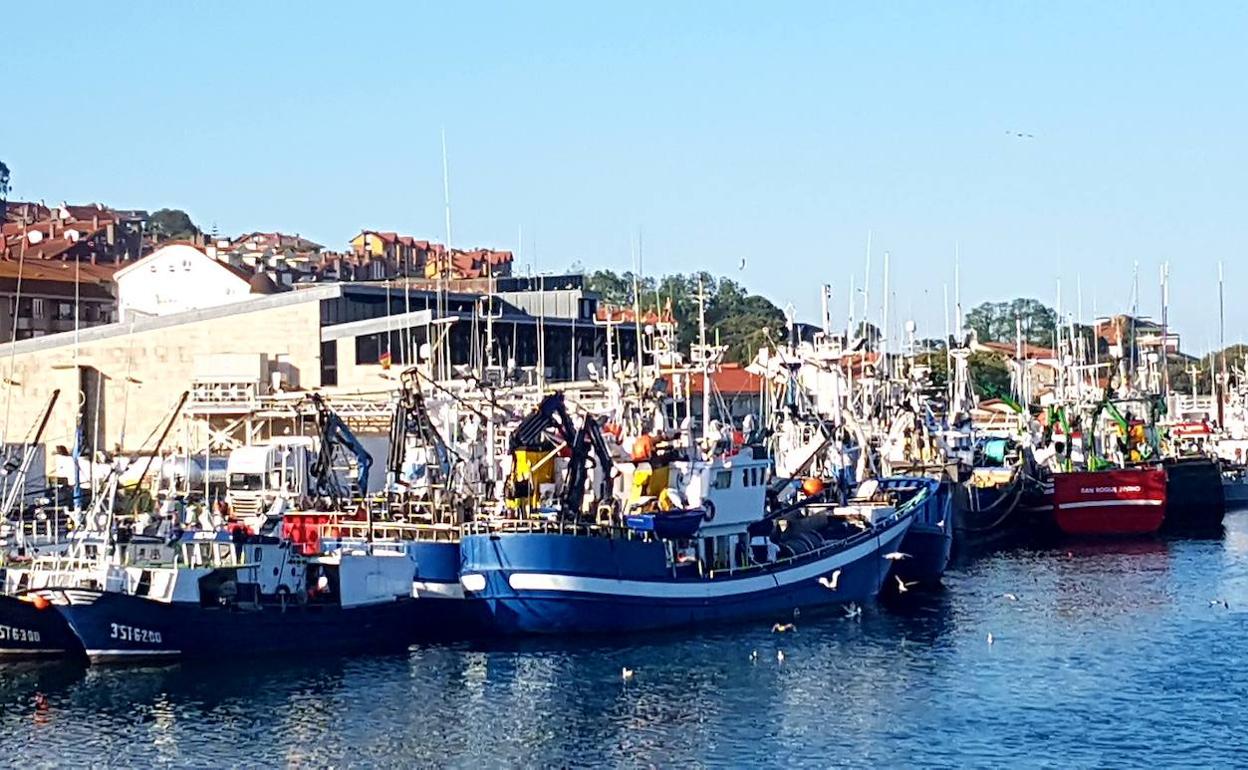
(928,544)
(258,595)
(1234,486)
(1113,501)
(29,628)
(1195,495)
(683,540)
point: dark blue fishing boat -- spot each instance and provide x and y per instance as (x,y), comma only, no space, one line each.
(30,628)
(563,570)
(926,549)
(220,603)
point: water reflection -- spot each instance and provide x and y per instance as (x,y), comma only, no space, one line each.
(1103,648)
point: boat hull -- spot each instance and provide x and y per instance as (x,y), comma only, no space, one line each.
(929,541)
(118,627)
(26,631)
(1235,494)
(1123,501)
(536,583)
(1195,499)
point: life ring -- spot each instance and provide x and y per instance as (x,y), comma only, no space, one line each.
(708,511)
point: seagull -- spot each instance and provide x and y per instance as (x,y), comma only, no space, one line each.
(896,556)
(1216,602)
(626,674)
(753,656)
(853,611)
(742,263)
(903,586)
(779,656)
(1011,597)
(941,523)
(781,628)
(830,583)
(990,638)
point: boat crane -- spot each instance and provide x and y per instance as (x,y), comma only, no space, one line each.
(334,433)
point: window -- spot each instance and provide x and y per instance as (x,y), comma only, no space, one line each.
(723,480)
(370,347)
(37,308)
(259,557)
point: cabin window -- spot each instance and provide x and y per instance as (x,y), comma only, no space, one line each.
(723,479)
(259,554)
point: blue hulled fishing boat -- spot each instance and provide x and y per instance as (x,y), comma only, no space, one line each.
(673,537)
(30,628)
(928,545)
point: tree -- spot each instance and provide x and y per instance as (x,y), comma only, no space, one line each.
(741,321)
(989,375)
(172,224)
(999,321)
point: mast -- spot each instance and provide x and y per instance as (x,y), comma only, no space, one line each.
(1165,329)
(948,349)
(1220,393)
(825,317)
(444,350)
(884,331)
(866,284)
(705,362)
(957,288)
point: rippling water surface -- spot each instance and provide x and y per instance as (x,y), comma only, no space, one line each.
(1112,655)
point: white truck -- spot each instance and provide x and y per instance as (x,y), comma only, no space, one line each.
(256,476)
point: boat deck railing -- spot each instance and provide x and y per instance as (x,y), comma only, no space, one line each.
(551,526)
(390,530)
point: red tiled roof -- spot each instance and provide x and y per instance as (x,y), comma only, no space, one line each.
(731,379)
(57,278)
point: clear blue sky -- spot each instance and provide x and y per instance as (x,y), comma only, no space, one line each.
(781,132)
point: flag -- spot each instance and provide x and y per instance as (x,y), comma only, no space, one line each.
(385,360)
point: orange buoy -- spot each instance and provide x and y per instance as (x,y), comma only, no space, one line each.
(41,603)
(812,486)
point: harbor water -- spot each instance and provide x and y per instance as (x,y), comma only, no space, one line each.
(1102,654)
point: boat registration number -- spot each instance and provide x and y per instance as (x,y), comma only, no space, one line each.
(13,634)
(133,634)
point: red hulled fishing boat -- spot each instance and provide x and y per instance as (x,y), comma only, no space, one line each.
(1114,501)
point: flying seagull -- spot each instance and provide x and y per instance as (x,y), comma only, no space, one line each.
(830,583)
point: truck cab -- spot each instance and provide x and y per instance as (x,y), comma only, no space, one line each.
(256,476)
